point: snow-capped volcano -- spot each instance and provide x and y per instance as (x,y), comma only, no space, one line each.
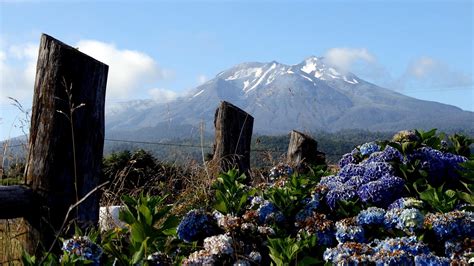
(311,95)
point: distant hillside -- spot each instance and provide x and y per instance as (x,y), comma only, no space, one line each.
(310,96)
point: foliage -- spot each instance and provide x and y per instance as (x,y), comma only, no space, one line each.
(287,250)
(150,228)
(231,193)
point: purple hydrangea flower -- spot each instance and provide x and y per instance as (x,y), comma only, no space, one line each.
(376,170)
(268,213)
(383,191)
(409,245)
(349,253)
(351,170)
(195,225)
(342,193)
(371,216)
(349,158)
(389,154)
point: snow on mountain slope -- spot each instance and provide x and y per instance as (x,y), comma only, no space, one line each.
(308,96)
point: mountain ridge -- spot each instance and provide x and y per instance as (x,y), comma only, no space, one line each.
(309,96)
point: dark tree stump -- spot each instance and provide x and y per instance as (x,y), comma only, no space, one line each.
(303,151)
(50,163)
(233,136)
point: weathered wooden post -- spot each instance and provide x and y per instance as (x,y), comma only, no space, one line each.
(233,136)
(303,150)
(65,147)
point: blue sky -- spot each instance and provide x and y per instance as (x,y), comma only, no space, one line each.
(162,49)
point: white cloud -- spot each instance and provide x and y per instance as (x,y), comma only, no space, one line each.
(202,79)
(129,71)
(345,58)
(163,95)
(17,72)
(435,74)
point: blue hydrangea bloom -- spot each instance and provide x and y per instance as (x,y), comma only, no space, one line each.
(376,170)
(410,219)
(332,181)
(371,216)
(356,181)
(347,230)
(195,225)
(431,260)
(84,248)
(409,245)
(321,226)
(349,253)
(268,213)
(392,217)
(339,194)
(392,258)
(407,202)
(310,206)
(451,248)
(451,225)
(351,170)
(349,158)
(369,148)
(389,154)
(382,192)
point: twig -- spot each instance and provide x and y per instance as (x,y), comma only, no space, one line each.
(67,216)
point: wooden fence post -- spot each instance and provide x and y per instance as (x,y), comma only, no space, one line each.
(54,171)
(303,150)
(233,136)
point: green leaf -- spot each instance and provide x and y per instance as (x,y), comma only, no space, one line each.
(126,216)
(450,193)
(140,254)
(146,214)
(137,232)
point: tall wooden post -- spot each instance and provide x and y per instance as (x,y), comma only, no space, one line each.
(50,170)
(303,150)
(233,136)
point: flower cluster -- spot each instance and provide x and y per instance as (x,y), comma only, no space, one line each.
(389,154)
(219,245)
(347,230)
(267,212)
(83,248)
(381,192)
(310,207)
(320,225)
(195,225)
(369,148)
(405,136)
(159,259)
(371,216)
(451,225)
(348,158)
(280,170)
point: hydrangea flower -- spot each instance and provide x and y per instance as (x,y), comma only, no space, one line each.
(280,170)
(451,225)
(268,213)
(389,154)
(201,257)
(83,248)
(321,226)
(341,193)
(159,259)
(356,181)
(349,158)
(369,148)
(371,216)
(392,217)
(219,245)
(311,205)
(392,258)
(376,170)
(347,230)
(410,245)
(410,219)
(349,253)
(350,170)
(331,181)
(195,225)
(229,222)
(407,202)
(383,191)
(431,259)
(255,256)
(405,136)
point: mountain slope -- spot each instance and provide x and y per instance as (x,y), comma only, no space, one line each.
(308,96)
